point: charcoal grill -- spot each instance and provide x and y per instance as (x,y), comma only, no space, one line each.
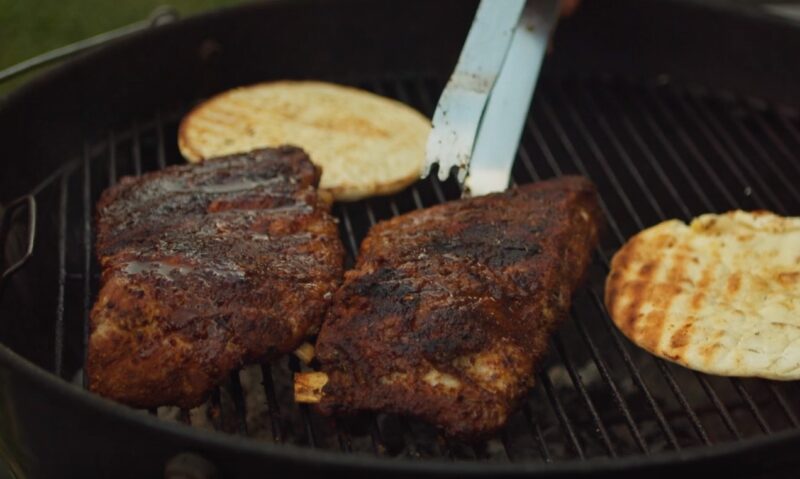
(672,108)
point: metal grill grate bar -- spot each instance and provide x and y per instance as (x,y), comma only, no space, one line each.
(348,228)
(718,404)
(311,435)
(273,408)
(794,133)
(87,249)
(183,416)
(239,403)
(160,155)
(112,159)
(214,410)
(63,197)
(136,150)
(345,443)
(752,405)
(787,410)
(681,397)
(541,444)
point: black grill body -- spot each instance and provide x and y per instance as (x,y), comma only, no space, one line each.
(672,109)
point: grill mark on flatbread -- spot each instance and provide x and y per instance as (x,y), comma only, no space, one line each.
(665,241)
(632,290)
(632,311)
(789,278)
(681,338)
(619,262)
(611,291)
(702,287)
(708,352)
(663,294)
(650,333)
(647,270)
(734,283)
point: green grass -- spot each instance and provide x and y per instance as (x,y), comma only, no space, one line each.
(31,27)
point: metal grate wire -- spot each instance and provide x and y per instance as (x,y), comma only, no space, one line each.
(655,151)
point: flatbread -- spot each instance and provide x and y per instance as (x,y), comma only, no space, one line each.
(365,144)
(721,295)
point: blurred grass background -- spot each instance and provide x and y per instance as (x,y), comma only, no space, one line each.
(31,27)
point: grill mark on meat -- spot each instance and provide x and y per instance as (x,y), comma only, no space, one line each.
(207,267)
(449,309)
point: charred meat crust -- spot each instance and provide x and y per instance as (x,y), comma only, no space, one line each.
(207,267)
(449,309)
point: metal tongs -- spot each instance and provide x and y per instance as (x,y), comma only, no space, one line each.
(480,115)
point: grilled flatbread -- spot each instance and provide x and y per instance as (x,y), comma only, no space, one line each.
(366,144)
(721,295)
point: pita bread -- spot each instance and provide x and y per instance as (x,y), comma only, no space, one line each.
(365,144)
(721,295)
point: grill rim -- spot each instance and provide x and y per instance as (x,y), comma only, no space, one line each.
(684,458)
(688,457)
